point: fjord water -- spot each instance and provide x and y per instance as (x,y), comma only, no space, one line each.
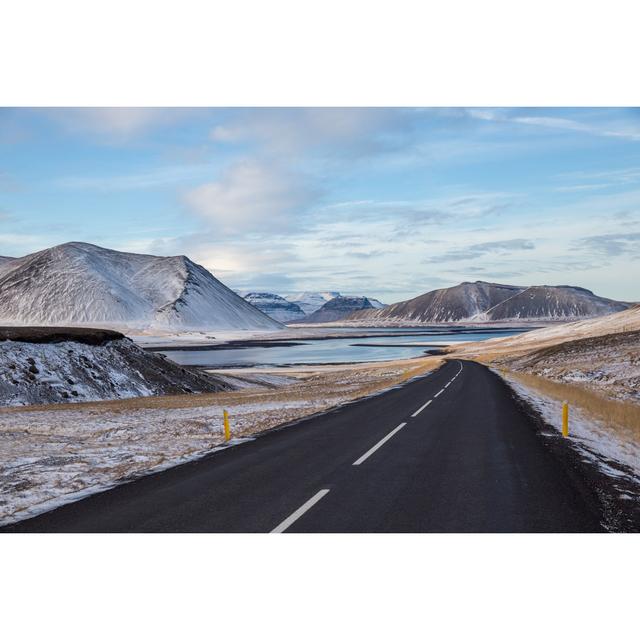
(391,344)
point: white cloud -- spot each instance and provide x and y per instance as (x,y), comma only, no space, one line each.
(7,182)
(553,123)
(596,180)
(478,250)
(20,244)
(610,130)
(116,124)
(159,177)
(337,130)
(252,197)
(244,264)
(583,187)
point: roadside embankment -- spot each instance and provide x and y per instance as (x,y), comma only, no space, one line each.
(42,365)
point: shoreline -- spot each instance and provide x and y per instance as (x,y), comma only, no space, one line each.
(293,337)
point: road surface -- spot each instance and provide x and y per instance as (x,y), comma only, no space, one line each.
(449,452)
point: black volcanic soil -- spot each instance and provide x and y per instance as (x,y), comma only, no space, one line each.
(49,335)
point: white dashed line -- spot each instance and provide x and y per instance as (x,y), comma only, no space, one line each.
(285,524)
(373,449)
(424,406)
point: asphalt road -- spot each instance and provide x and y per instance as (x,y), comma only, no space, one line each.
(450,452)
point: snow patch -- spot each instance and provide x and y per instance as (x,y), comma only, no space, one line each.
(593,439)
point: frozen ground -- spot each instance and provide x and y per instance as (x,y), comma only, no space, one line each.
(60,453)
(622,322)
(602,354)
(609,364)
(73,371)
(49,458)
(616,454)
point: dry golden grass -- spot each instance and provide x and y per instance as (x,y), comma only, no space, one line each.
(422,366)
(621,417)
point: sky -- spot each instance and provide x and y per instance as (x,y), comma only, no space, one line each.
(388,203)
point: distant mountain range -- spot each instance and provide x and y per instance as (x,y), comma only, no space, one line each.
(339,308)
(82,284)
(310,301)
(305,306)
(490,302)
(275,306)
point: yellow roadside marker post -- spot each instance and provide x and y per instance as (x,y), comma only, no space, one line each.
(565,419)
(227,431)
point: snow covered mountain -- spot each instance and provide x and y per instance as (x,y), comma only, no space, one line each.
(82,284)
(275,306)
(310,301)
(338,308)
(489,302)
(42,365)
(553,303)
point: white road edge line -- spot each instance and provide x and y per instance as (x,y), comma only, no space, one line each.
(375,447)
(285,524)
(424,406)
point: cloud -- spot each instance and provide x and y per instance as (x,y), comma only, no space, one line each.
(20,244)
(12,131)
(375,253)
(265,282)
(595,180)
(8,183)
(612,244)
(474,251)
(116,124)
(160,177)
(252,197)
(553,123)
(500,246)
(406,217)
(611,130)
(334,131)
(484,272)
(583,187)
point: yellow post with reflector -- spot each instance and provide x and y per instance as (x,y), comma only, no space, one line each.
(565,419)
(227,430)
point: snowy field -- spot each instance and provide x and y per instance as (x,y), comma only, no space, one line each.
(617,453)
(54,455)
(50,458)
